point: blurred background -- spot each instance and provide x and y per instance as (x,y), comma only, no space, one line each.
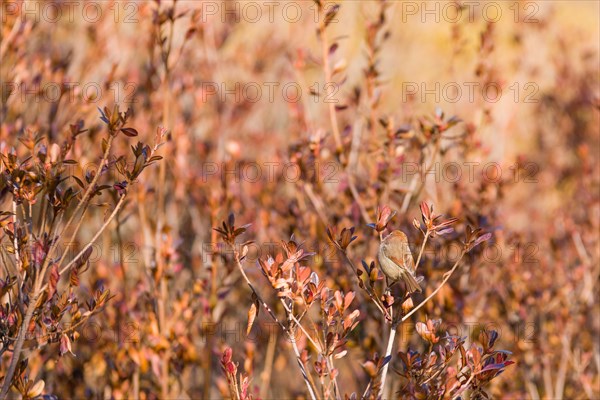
(293,126)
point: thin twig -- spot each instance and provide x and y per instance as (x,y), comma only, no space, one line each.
(16,244)
(249,283)
(447,276)
(466,384)
(388,353)
(290,334)
(371,294)
(15,235)
(39,286)
(293,318)
(90,188)
(64,255)
(163,289)
(413,183)
(19,23)
(91,242)
(19,345)
(305,375)
(335,383)
(328,80)
(266,374)
(316,202)
(352,163)
(393,328)
(422,248)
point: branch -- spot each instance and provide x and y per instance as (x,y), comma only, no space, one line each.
(283,327)
(311,391)
(422,249)
(413,183)
(39,286)
(390,343)
(371,294)
(96,236)
(352,162)
(14,32)
(293,318)
(262,302)
(328,79)
(447,276)
(19,345)
(388,353)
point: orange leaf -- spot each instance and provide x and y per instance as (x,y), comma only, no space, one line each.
(251,318)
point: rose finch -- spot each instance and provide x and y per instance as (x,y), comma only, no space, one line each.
(396,260)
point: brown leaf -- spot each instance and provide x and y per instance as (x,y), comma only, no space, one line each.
(65,345)
(129,132)
(53,280)
(36,389)
(251,318)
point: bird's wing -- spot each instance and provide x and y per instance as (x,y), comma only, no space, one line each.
(401,256)
(396,260)
(408,257)
(390,251)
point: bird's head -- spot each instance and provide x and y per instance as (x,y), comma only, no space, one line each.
(396,235)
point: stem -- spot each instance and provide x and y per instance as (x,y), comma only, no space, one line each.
(163,330)
(15,236)
(404,318)
(163,289)
(316,202)
(422,248)
(91,242)
(388,353)
(335,383)
(19,345)
(447,276)
(212,302)
(42,217)
(62,258)
(290,334)
(466,384)
(328,79)
(352,162)
(371,294)
(90,188)
(86,195)
(136,382)
(263,303)
(267,373)
(293,318)
(311,391)
(14,32)
(413,183)
(38,287)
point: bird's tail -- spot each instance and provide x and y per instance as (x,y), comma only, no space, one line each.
(411,282)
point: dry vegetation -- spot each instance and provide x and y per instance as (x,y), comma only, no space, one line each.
(193,196)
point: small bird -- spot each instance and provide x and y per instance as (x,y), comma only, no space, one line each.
(396,260)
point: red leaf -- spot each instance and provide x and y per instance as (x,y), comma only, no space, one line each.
(53,280)
(129,132)
(65,345)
